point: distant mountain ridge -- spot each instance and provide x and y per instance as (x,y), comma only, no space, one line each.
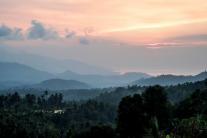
(21,73)
(49,64)
(60,84)
(104,81)
(170,79)
(15,74)
(10,84)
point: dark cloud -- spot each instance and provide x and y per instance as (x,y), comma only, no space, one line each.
(7,33)
(70,34)
(39,31)
(83,40)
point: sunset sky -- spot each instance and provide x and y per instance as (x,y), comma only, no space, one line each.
(172,32)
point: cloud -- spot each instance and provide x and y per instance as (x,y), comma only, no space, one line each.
(7,33)
(88,30)
(196,37)
(39,31)
(4,31)
(84,41)
(189,40)
(70,34)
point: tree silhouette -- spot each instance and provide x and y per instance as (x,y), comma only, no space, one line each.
(30,99)
(156,105)
(130,123)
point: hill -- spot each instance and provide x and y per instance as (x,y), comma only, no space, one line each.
(10,84)
(104,80)
(165,80)
(176,93)
(15,72)
(60,84)
(49,64)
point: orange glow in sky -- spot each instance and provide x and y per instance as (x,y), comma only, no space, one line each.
(128,20)
(160,36)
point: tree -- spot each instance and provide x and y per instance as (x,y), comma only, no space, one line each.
(55,100)
(13,99)
(192,106)
(30,99)
(130,122)
(97,132)
(205,82)
(156,105)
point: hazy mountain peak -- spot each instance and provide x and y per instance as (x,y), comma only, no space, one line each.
(170,79)
(51,64)
(140,74)
(11,71)
(61,84)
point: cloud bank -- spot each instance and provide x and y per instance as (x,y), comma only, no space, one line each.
(70,34)
(7,33)
(39,31)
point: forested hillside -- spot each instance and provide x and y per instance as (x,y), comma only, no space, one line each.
(133,112)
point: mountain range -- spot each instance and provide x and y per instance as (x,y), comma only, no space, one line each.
(49,64)
(60,84)
(16,72)
(15,75)
(170,79)
(104,81)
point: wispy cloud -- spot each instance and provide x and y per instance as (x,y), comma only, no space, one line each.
(194,37)
(112,15)
(40,31)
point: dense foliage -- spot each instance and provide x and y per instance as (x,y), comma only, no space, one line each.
(48,116)
(129,112)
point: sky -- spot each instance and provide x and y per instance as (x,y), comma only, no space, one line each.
(153,36)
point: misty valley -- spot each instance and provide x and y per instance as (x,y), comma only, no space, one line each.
(35,103)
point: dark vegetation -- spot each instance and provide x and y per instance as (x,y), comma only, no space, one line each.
(48,116)
(129,112)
